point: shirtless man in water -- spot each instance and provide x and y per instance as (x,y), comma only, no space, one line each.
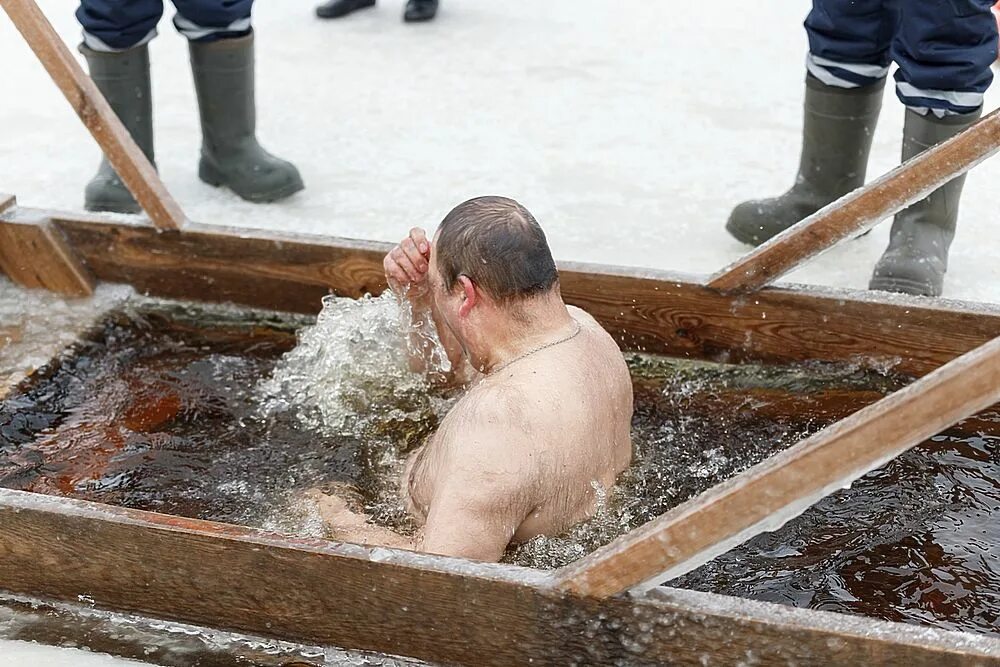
(546,419)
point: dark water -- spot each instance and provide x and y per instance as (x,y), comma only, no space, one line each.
(160,410)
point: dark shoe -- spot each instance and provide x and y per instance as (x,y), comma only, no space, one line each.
(334,9)
(230,155)
(917,257)
(836,138)
(123,78)
(420,10)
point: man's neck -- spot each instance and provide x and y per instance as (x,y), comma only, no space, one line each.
(547,321)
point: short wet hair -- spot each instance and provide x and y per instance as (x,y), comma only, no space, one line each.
(497,244)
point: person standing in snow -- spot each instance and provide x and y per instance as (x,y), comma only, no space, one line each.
(944,49)
(221,41)
(416,10)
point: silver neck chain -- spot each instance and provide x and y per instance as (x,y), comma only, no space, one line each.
(565,339)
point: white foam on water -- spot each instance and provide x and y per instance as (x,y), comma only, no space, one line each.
(352,363)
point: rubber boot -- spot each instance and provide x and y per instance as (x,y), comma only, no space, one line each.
(420,10)
(836,139)
(123,78)
(917,257)
(230,154)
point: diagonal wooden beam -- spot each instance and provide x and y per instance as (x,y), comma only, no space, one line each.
(861,209)
(767,495)
(129,161)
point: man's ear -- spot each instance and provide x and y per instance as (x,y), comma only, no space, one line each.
(469,296)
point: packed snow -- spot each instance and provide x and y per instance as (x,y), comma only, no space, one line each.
(630,129)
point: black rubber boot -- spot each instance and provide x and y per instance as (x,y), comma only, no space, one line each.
(230,154)
(917,257)
(420,10)
(123,78)
(334,9)
(836,138)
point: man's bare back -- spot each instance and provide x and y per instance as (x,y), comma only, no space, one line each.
(544,425)
(533,443)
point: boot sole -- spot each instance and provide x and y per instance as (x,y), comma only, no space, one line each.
(742,236)
(210,175)
(109,207)
(902,286)
(342,14)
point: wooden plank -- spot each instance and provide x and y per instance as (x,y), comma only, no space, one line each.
(767,495)
(862,209)
(36,255)
(166,645)
(136,638)
(6,202)
(129,161)
(426,607)
(654,311)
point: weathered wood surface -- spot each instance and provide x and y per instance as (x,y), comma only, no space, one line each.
(36,255)
(144,639)
(431,608)
(125,156)
(862,209)
(769,494)
(653,311)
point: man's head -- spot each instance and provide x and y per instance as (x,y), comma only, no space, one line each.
(490,256)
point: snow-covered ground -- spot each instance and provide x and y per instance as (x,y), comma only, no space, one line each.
(629,127)
(26,654)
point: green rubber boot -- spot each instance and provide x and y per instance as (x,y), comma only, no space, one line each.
(230,154)
(836,138)
(123,78)
(917,257)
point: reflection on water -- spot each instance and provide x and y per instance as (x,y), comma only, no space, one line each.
(216,414)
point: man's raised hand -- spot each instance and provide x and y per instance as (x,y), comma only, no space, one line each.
(407,264)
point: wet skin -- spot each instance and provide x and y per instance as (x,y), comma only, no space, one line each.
(543,426)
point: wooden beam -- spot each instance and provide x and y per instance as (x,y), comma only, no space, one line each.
(36,255)
(654,311)
(129,161)
(6,201)
(767,495)
(151,640)
(426,607)
(861,209)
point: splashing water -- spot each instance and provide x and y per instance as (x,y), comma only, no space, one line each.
(352,365)
(349,376)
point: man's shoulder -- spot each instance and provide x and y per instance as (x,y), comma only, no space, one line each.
(582,316)
(486,409)
(490,423)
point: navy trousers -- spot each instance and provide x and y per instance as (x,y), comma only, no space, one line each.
(944,49)
(117,25)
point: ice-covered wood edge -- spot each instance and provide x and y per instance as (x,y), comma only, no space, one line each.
(432,608)
(131,164)
(645,310)
(163,643)
(863,208)
(765,496)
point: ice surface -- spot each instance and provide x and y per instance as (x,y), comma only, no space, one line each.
(628,156)
(28,341)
